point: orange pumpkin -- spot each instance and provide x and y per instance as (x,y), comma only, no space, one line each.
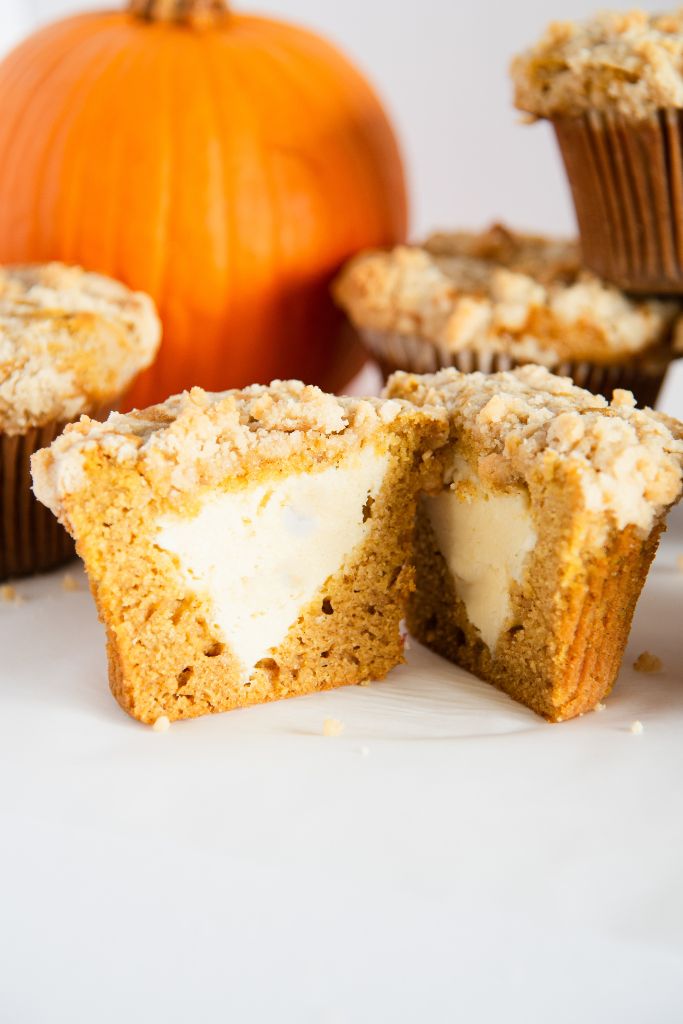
(226,164)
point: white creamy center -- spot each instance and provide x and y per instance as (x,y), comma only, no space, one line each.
(262,553)
(485,537)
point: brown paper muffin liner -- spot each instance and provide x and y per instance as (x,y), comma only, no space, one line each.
(643,376)
(626,179)
(31,539)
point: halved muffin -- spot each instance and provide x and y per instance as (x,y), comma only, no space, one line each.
(537,530)
(244,546)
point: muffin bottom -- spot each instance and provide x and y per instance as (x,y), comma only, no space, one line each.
(31,539)
(414,354)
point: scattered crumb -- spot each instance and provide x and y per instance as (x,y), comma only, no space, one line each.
(332,727)
(69,583)
(600,707)
(647,662)
(636,728)
(679,562)
(364,682)
(162,724)
(9,595)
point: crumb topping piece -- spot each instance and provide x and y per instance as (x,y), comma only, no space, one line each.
(69,340)
(647,662)
(332,727)
(637,728)
(501,292)
(198,439)
(626,63)
(628,462)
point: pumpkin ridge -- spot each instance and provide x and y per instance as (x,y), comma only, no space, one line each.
(10,127)
(62,131)
(41,102)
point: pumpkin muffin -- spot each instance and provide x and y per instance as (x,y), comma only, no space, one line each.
(246,546)
(70,343)
(612,87)
(537,530)
(500,299)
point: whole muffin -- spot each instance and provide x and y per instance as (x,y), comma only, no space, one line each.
(71,343)
(612,87)
(501,299)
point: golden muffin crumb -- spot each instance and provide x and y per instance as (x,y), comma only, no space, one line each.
(628,63)
(647,662)
(332,727)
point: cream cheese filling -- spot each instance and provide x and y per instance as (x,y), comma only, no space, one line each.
(262,553)
(485,537)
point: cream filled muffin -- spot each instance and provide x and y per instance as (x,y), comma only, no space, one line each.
(246,546)
(537,529)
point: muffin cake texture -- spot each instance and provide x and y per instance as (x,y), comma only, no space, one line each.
(246,546)
(70,343)
(499,299)
(612,87)
(537,530)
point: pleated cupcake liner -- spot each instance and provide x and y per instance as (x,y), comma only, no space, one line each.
(31,538)
(626,179)
(415,354)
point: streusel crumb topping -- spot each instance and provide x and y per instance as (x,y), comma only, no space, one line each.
(198,439)
(629,461)
(501,292)
(69,340)
(626,63)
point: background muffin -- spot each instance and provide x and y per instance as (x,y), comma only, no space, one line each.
(613,89)
(500,299)
(70,343)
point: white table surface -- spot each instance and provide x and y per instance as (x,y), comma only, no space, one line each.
(449,857)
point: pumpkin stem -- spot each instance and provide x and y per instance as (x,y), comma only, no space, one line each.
(194,12)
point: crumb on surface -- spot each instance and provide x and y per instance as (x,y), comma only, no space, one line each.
(70,583)
(9,594)
(332,727)
(364,682)
(647,662)
(162,724)
(600,707)
(636,728)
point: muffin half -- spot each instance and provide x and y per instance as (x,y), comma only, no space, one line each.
(246,546)
(536,533)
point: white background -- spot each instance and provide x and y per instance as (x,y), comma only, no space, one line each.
(449,857)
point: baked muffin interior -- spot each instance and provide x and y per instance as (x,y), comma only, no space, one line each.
(536,533)
(246,546)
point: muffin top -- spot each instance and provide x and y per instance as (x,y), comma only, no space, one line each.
(629,63)
(501,292)
(626,462)
(69,341)
(198,439)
